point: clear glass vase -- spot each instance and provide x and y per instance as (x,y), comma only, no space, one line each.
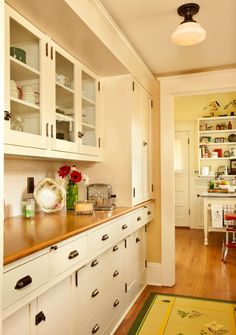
(71,195)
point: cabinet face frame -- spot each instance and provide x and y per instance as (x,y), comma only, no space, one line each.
(13,136)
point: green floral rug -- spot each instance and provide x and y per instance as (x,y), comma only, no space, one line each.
(178,315)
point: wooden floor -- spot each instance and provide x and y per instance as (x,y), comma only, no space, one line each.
(199,272)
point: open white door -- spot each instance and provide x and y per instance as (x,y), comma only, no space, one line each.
(181,167)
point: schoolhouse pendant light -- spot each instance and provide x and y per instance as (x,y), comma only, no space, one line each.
(189,32)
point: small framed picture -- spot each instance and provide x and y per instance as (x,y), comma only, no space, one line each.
(219,139)
(232,151)
(233,166)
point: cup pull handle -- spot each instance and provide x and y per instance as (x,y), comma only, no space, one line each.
(105,237)
(23,282)
(95,293)
(73,254)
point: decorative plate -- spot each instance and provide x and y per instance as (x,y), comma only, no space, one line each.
(232,138)
(49,196)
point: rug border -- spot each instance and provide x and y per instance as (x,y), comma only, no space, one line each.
(150,299)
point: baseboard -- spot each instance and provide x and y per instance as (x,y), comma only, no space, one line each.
(154,274)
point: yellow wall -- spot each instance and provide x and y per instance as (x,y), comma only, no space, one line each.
(192,107)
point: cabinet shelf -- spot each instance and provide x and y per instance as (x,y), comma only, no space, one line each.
(87,102)
(217,144)
(21,71)
(21,106)
(88,126)
(63,87)
(218,158)
(217,118)
(204,132)
(63,117)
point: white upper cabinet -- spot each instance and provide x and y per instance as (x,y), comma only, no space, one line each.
(90,125)
(25,66)
(52,101)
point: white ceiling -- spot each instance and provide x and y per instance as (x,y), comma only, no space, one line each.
(148,25)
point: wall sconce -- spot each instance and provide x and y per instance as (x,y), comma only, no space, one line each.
(189,32)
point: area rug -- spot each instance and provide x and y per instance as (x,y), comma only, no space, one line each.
(178,315)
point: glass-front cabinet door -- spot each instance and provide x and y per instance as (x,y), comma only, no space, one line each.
(89,134)
(24,121)
(65,109)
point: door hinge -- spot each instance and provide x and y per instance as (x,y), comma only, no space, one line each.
(99,142)
(188,141)
(76,279)
(133,85)
(134,192)
(126,288)
(145,228)
(125,243)
(99,86)
(189,212)
(145,263)
(152,187)
(7,115)
(151,103)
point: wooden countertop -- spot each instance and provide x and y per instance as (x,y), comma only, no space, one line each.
(23,237)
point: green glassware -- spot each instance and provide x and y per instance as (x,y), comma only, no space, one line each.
(71,195)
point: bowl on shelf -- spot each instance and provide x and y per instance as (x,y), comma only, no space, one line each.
(18,53)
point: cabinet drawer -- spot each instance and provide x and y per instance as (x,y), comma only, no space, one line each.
(125,225)
(104,236)
(23,279)
(68,255)
(100,263)
(138,218)
(148,213)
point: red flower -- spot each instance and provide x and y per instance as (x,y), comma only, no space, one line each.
(75,176)
(64,171)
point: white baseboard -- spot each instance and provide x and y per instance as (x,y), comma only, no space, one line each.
(154,274)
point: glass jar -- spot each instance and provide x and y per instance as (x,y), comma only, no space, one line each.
(28,208)
(71,195)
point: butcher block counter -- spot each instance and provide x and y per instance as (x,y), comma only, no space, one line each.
(23,237)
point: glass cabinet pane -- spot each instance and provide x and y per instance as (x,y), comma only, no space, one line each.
(65,114)
(88,110)
(24,80)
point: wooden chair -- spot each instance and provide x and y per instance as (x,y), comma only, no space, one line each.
(230,239)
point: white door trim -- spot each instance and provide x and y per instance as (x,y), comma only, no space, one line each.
(191,84)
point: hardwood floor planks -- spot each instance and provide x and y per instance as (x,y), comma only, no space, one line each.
(199,272)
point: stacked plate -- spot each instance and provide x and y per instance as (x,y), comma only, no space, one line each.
(28,94)
(13,89)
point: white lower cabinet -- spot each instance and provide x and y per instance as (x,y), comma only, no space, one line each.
(48,314)
(83,298)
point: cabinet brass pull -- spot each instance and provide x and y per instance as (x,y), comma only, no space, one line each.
(95,329)
(115,248)
(137,239)
(115,274)
(80,134)
(105,237)
(53,247)
(47,49)
(51,53)
(95,293)
(149,213)
(139,218)
(51,130)
(116,303)
(73,254)
(39,318)
(94,263)
(23,282)
(47,129)
(124,226)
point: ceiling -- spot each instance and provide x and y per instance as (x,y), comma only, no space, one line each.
(148,26)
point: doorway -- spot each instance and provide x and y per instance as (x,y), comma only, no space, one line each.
(170,87)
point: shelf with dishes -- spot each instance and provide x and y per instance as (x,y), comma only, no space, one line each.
(22,106)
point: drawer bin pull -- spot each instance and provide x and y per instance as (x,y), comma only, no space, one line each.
(115,248)
(149,212)
(94,263)
(95,293)
(139,218)
(116,303)
(23,282)
(73,254)
(105,237)
(115,274)
(124,226)
(39,318)
(95,329)
(137,239)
